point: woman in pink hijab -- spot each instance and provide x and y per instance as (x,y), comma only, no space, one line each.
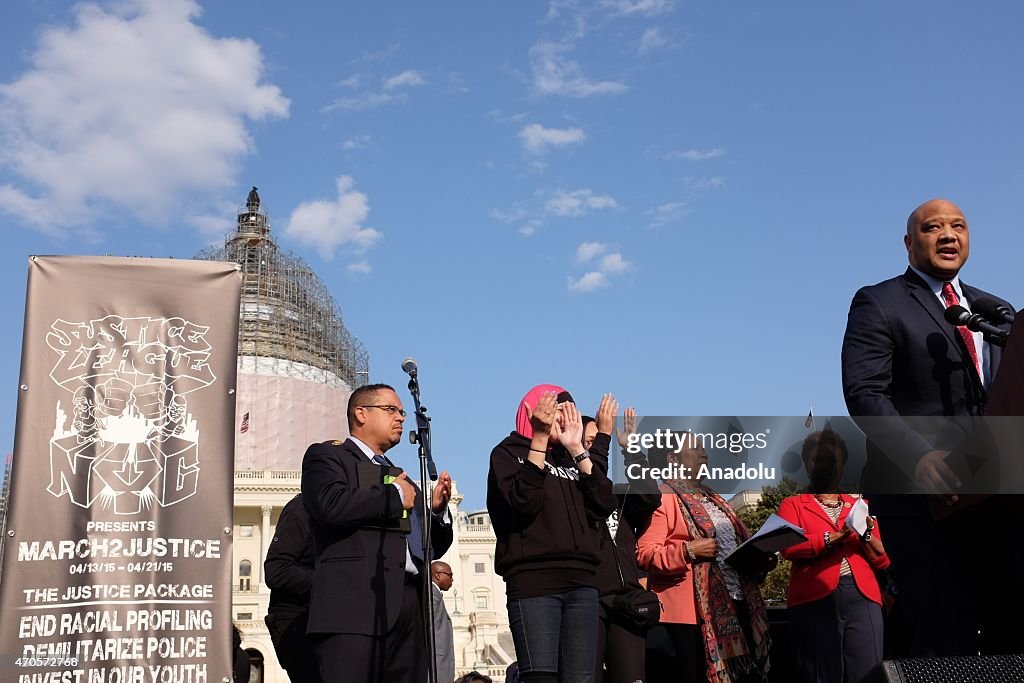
(545,499)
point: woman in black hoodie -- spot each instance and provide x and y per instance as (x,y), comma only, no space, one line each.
(545,499)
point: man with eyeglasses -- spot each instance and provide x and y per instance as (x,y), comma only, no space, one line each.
(444,637)
(365,601)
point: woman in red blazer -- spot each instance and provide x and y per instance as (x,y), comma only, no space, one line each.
(835,605)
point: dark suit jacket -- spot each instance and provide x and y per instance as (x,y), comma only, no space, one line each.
(908,370)
(360,567)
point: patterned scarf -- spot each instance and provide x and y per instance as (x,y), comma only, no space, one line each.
(725,646)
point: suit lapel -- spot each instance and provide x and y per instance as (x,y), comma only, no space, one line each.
(353,451)
(923,294)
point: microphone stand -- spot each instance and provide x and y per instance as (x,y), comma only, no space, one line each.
(421,437)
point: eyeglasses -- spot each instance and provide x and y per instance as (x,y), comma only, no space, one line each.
(388,409)
(445,573)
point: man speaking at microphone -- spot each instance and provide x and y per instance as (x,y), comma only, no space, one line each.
(909,370)
(364,610)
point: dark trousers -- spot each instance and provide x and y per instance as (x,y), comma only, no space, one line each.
(399,656)
(620,650)
(688,643)
(295,651)
(837,638)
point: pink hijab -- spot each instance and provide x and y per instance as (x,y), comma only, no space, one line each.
(531,399)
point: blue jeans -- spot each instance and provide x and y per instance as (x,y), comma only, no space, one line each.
(556,634)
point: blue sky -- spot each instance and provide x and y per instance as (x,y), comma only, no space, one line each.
(672,201)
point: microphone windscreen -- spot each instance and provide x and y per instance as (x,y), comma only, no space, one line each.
(991,310)
(955,315)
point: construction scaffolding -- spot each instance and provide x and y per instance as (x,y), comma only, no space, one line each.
(290,324)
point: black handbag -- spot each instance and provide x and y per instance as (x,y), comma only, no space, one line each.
(638,607)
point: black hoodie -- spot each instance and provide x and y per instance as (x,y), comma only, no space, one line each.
(618,571)
(544,519)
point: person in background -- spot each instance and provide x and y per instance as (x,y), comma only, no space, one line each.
(241,666)
(545,498)
(289,573)
(621,645)
(444,639)
(714,614)
(474,677)
(835,604)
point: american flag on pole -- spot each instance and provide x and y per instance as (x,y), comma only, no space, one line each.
(245,424)
(808,423)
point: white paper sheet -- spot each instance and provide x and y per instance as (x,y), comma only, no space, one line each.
(858,517)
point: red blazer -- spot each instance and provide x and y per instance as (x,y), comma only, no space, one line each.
(815,573)
(661,552)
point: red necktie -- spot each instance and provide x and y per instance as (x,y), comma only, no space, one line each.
(950,298)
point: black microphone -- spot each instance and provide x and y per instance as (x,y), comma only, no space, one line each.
(993,311)
(409,366)
(958,315)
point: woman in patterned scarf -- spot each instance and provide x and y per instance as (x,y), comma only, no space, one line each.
(714,613)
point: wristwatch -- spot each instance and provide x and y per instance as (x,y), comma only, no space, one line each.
(581,457)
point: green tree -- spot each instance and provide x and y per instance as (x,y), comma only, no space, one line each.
(777,582)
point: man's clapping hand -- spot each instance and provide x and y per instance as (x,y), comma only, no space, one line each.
(442,493)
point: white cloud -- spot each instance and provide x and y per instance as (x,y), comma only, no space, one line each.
(360,268)
(391,91)
(530,229)
(669,212)
(588,282)
(696,154)
(500,117)
(588,250)
(652,39)
(608,265)
(330,225)
(647,8)
(352,81)
(456,84)
(555,74)
(367,100)
(534,216)
(577,202)
(381,55)
(613,264)
(133,106)
(537,139)
(357,142)
(407,79)
(517,213)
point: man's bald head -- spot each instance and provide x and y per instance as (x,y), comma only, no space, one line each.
(937,239)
